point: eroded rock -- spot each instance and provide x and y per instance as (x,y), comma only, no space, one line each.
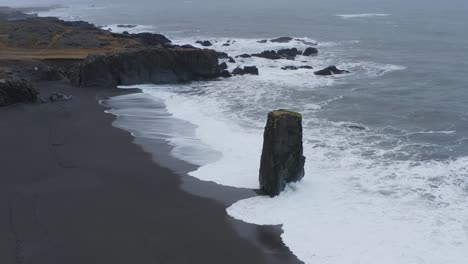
(282,158)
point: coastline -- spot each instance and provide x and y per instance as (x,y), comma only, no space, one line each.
(75,189)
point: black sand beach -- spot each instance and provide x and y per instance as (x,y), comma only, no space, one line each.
(74,189)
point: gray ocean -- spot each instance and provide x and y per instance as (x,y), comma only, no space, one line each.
(394,191)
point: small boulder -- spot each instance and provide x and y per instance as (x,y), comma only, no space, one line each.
(222,55)
(205,43)
(223,66)
(289,53)
(268,54)
(310,51)
(330,70)
(306,67)
(226,44)
(292,68)
(262,41)
(225,74)
(59,97)
(282,158)
(231,60)
(252,70)
(282,40)
(16,90)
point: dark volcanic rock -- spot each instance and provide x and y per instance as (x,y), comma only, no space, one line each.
(225,74)
(246,70)
(306,67)
(285,68)
(16,90)
(226,44)
(231,60)
(251,70)
(223,66)
(289,53)
(262,41)
(222,55)
(268,54)
(310,51)
(330,70)
(282,158)
(282,40)
(205,43)
(244,56)
(151,65)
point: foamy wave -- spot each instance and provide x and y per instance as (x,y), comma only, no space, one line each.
(132,29)
(363,189)
(366,15)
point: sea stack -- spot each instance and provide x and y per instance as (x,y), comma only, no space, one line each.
(282,156)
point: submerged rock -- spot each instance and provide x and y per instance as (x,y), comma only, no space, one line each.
(282,158)
(231,60)
(330,70)
(151,65)
(262,41)
(282,40)
(16,90)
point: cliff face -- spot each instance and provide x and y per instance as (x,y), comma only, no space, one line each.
(150,65)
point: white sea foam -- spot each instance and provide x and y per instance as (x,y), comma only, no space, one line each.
(355,203)
(134,29)
(366,15)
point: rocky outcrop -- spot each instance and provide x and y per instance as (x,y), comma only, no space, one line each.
(330,70)
(280,54)
(282,40)
(244,56)
(268,54)
(16,90)
(150,65)
(252,70)
(282,158)
(310,51)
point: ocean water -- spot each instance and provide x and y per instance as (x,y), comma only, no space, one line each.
(395,192)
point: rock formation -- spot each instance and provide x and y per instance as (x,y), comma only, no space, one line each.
(282,158)
(246,70)
(16,90)
(310,51)
(150,65)
(281,40)
(330,70)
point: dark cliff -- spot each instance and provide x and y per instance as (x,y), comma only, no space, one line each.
(150,65)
